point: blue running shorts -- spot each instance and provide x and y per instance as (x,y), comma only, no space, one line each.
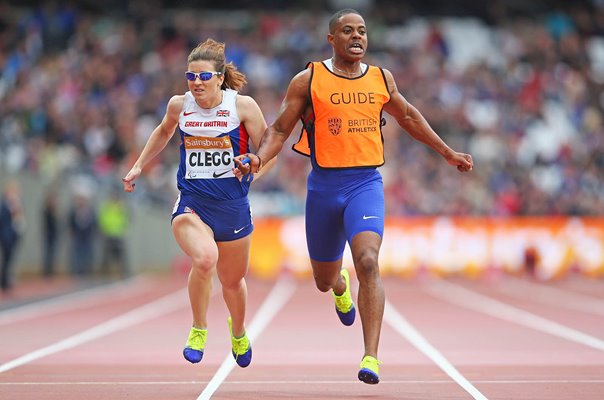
(337,212)
(228,219)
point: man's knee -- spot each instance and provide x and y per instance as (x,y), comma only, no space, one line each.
(323,284)
(366,265)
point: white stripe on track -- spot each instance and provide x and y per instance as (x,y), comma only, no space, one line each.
(66,302)
(553,296)
(280,294)
(164,305)
(308,382)
(461,296)
(402,326)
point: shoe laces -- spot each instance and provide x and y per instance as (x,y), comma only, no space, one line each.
(197,338)
(371,363)
(240,345)
(343,302)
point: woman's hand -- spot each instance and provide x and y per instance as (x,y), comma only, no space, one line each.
(128,180)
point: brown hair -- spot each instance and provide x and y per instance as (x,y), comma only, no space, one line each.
(213,51)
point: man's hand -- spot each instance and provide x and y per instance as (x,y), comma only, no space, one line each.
(462,161)
(246,164)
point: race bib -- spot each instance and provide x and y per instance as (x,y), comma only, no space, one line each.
(208,158)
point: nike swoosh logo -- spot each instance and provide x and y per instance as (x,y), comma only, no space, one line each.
(369,216)
(218,175)
(188,113)
(240,229)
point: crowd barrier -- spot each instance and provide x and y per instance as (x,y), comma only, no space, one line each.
(549,247)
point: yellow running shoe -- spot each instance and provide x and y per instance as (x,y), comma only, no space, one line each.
(242,350)
(344,305)
(196,342)
(370,369)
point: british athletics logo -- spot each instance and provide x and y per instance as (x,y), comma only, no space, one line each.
(223,113)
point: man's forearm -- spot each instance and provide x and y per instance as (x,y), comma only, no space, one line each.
(420,130)
(270,145)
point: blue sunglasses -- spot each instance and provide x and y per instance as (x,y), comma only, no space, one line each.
(203,75)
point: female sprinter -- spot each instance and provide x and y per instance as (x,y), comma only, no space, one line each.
(211,219)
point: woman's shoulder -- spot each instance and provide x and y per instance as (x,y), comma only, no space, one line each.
(244,101)
(178,99)
(176,103)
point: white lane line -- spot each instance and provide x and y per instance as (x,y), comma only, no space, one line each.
(402,326)
(280,294)
(164,305)
(466,298)
(67,302)
(346,382)
(552,296)
(586,286)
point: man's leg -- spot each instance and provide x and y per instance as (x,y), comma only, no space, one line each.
(4,265)
(365,250)
(327,276)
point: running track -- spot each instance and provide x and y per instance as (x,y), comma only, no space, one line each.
(504,338)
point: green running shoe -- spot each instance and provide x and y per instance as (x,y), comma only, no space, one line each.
(370,369)
(344,305)
(242,350)
(196,342)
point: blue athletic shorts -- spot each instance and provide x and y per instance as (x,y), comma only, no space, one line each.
(337,212)
(228,219)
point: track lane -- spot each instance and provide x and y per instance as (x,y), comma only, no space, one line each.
(304,352)
(307,343)
(26,335)
(509,351)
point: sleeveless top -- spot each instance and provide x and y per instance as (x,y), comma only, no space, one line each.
(344,129)
(210,139)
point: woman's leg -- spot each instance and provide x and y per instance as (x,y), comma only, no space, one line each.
(231,269)
(196,239)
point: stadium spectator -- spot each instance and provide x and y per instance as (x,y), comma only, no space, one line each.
(12,225)
(113,225)
(78,89)
(50,233)
(83,227)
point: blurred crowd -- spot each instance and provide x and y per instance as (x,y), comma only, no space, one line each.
(96,232)
(81,90)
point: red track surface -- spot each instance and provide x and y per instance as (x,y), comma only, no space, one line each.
(538,341)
